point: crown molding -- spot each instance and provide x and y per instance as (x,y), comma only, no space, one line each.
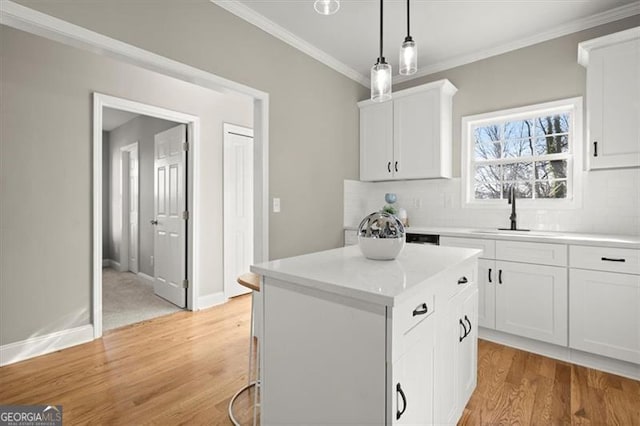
(270,27)
(602,18)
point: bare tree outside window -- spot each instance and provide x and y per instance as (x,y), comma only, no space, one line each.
(529,154)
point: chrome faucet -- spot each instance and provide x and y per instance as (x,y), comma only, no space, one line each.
(512,201)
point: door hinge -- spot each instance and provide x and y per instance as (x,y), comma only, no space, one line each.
(185,215)
(185,283)
(185,146)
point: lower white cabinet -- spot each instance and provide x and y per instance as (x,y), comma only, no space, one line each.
(456,358)
(531,301)
(413,372)
(487,293)
(605,314)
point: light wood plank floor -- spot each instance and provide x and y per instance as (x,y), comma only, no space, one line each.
(184,368)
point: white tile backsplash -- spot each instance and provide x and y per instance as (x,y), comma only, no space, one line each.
(610,204)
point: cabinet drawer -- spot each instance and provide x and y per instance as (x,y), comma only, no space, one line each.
(462,278)
(488,247)
(410,312)
(605,259)
(539,253)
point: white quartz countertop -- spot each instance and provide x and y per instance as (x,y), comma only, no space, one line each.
(345,271)
(602,240)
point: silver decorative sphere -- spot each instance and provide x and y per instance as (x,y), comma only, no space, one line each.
(381,236)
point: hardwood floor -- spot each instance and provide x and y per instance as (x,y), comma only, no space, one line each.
(184,368)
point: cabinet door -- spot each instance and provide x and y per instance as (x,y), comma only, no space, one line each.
(449,333)
(531,301)
(376,141)
(417,150)
(412,401)
(605,314)
(613,105)
(468,349)
(487,281)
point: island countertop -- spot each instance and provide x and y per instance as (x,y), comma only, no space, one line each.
(345,271)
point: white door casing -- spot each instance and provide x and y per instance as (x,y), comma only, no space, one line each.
(129,198)
(238,206)
(169,206)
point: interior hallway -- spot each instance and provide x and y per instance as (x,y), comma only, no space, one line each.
(128,298)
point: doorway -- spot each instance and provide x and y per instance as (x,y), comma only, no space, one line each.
(238,206)
(145,189)
(145,192)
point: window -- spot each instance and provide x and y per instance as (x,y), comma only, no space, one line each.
(534,149)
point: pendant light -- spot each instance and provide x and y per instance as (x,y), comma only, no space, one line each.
(381,74)
(326,7)
(408,52)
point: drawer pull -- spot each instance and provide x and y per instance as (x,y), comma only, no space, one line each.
(463,280)
(468,322)
(464,327)
(500,276)
(404,402)
(420,310)
(490,280)
(610,259)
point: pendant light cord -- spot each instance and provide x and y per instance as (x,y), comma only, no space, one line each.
(380,58)
(408,32)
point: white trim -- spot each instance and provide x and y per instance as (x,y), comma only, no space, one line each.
(102,101)
(146,277)
(574,185)
(254,18)
(563,353)
(105,263)
(110,263)
(586,46)
(581,24)
(40,345)
(125,190)
(211,300)
(34,22)
(445,85)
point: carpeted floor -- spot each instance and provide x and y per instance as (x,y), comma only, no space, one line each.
(128,299)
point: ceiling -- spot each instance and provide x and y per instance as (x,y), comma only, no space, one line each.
(448,32)
(113,118)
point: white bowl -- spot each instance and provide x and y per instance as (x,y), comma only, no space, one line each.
(381,248)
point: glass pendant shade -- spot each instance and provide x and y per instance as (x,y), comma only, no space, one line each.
(326,7)
(381,81)
(408,57)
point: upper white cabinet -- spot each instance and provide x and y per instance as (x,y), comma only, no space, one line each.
(613,99)
(408,137)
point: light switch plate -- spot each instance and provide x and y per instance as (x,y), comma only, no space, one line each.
(276,205)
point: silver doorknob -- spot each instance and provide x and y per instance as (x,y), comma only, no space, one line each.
(153,222)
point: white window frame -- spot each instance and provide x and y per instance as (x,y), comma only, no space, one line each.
(574,161)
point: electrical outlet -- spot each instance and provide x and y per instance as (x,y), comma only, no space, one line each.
(416,203)
(151,260)
(276,205)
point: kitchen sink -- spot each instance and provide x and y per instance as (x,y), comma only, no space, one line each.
(508,232)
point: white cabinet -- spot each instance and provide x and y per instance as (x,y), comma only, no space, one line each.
(604,295)
(605,314)
(408,137)
(456,376)
(613,99)
(522,287)
(413,372)
(531,301)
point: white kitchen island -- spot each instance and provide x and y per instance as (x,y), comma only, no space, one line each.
(352,341)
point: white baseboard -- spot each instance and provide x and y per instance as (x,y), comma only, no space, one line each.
(40,345)
(563,353)
(145,276)
(210,300)
(110,263)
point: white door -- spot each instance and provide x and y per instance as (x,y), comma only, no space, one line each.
(531,301)
(238,206)
(376,141)
(133,209)
(468,350)
(605,314)
(487,281)
(169,207)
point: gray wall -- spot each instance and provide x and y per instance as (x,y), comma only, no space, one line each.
(106,191)
(141,129)
(534,74)
(46,160)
